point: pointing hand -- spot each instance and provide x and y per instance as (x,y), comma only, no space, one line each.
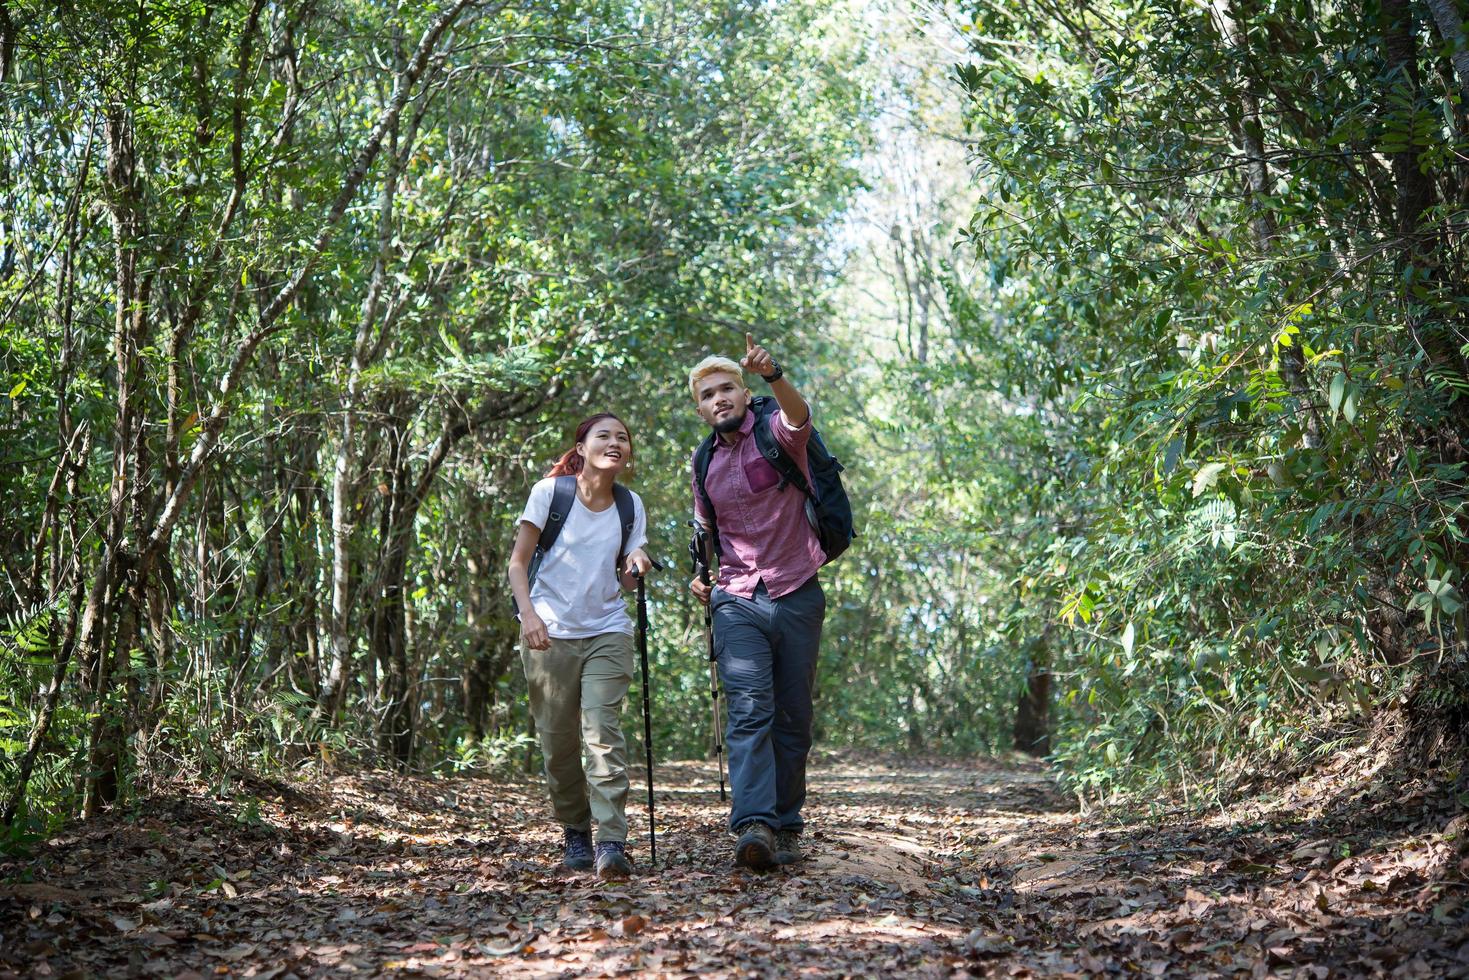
(757,359)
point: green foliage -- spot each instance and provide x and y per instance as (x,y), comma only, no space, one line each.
(498,754)
(1251,375)
(1147,366)
(573,205)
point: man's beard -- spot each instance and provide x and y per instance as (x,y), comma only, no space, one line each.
(731,424)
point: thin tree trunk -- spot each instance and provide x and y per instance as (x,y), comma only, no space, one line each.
(1419,247)
(364,351)
(475,679)
(1032,731)
(1261,186)
(1451,29)
(269,319)
(129,319)
(48,708)
(7,42)
(63,655)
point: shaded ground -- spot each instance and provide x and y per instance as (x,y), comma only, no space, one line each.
(916,868)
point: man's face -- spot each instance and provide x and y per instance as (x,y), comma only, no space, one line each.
(722,400)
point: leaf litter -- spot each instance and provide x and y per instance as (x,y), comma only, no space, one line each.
(914,868)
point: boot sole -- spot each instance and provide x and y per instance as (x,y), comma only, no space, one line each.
(755,856)
(613,870)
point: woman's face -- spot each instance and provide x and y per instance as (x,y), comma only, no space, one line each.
(607,446)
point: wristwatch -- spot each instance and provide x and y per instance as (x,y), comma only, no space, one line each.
(779,373)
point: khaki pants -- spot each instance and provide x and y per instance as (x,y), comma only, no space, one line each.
(576,692)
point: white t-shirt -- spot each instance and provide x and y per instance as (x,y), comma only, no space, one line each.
(576,592)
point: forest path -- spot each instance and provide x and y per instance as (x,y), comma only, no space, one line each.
(915,869)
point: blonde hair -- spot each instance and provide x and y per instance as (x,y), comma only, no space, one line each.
(713,364)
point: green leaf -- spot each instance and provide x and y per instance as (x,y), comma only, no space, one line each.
(1171,454)
(1336,392)
(1207,476)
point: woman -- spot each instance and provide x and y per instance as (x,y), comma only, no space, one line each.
(577,636)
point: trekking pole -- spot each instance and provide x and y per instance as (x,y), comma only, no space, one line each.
(714,696)
(647,708)
(701,568)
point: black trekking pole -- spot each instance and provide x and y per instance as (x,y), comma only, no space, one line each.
(647,709)
(699,548)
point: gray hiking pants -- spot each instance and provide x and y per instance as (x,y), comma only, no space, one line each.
(766,651)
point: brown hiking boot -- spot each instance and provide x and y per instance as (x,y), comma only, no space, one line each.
(788,847)
(755,848)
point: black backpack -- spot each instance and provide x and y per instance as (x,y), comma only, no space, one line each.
(828,508)
(561,499)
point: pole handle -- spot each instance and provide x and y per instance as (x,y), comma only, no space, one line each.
(657,566)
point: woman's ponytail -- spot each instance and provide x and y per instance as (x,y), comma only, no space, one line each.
(569,464)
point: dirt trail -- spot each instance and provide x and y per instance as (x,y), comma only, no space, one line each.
(935,869)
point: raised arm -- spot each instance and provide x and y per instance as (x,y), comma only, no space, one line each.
(758,360)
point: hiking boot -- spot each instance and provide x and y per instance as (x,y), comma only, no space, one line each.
(577,852)
(788,847)
(612,860)
(755,848)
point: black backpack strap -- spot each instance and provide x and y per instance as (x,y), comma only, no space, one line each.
(561,499)
(702,456)
(626,517)
(771,449)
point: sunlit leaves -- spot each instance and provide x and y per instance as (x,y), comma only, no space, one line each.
(1234,369)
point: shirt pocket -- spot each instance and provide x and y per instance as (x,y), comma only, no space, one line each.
(759,474)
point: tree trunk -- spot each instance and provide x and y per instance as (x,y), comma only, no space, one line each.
(1260,185)
(364,351)
(1420,247)
(122,193)
(48,707)
(474,678)
(1451,29)
(1032,731)
(389,629)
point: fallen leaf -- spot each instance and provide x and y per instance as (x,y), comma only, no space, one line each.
(630,926)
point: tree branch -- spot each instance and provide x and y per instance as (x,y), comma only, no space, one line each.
(213,426)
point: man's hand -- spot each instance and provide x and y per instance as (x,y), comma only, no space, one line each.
(757,359)
(533,631)
(701,590)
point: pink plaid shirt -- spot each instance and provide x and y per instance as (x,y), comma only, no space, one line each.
(764,534)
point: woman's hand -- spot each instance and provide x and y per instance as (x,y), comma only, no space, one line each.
(701,590)
(634,566)
(533,631)
(638,562)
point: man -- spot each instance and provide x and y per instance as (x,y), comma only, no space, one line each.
(767,605)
